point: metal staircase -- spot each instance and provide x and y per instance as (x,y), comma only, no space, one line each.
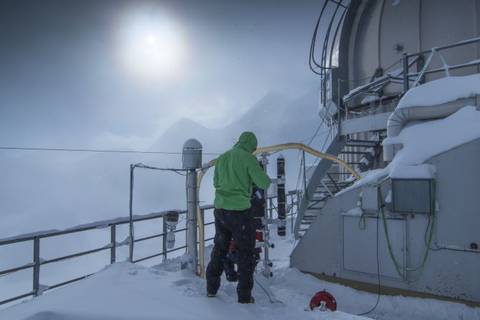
(329,178)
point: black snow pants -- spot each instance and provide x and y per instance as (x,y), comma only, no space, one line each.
(238,225)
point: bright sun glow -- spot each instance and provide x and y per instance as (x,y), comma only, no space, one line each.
(152,46)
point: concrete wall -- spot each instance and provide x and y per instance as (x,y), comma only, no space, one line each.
(336,246)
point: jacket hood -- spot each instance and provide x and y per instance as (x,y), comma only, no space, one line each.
(247,141)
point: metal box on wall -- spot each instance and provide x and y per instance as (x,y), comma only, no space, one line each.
(412,195)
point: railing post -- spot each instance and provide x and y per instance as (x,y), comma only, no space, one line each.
(130,235)
(36,266)
(113,244)
(406,80)
(292,204)
(270,208)
(339,107)
(164,238)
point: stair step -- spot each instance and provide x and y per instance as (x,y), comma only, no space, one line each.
(362,143)
(354,152)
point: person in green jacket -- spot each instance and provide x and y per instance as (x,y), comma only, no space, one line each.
(235,173)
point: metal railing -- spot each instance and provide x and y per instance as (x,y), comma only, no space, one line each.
(112,225)
(336,12)
(402,76)
(37,262)
(405,77)
(416,77)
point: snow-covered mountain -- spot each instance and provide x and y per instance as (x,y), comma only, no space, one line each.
(274,119)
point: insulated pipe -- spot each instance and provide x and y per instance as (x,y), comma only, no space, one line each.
(264,150)
(402,116)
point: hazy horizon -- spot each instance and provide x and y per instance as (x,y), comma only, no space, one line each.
(119,73)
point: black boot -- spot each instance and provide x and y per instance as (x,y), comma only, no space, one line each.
(246,300)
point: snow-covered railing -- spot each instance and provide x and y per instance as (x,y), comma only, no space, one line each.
(112,246)
(417,76)
(112,224)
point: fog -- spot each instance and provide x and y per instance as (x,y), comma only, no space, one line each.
(140,75)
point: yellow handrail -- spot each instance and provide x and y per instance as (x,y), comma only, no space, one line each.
(264,150)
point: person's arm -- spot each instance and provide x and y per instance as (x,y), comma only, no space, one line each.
(258,176)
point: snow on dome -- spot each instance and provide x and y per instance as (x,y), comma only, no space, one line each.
(441,91)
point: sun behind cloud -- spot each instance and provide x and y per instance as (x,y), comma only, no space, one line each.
(152,45)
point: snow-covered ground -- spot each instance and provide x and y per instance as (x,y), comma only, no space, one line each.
(127,291)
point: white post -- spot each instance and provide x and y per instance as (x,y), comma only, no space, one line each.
(192,160)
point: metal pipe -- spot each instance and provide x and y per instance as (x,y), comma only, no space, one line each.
(158,235)
(406,84)
(442,69)
(16,298)
(164,239)
(92,226)
(113,244)
(453,45)
(68,282)
(192,203)
(191,161)
(130,239)
(36,266)
(12,270)
(75,255)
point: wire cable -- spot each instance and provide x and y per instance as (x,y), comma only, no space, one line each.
(174,170)
(379,287)
(95,150)
(270,298)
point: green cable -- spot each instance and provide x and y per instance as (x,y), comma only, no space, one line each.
(362,222)
(430,234)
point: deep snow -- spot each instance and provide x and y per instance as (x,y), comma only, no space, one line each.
(441,91)
(126,291)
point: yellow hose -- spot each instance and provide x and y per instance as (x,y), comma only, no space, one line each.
(270,149)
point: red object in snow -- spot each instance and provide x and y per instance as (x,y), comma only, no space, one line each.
(322,300)
(259,236)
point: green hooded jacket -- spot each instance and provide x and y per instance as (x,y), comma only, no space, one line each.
(235,173)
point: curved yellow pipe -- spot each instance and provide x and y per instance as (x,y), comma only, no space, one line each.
(270,149)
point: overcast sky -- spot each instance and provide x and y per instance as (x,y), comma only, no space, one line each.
(72,73)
